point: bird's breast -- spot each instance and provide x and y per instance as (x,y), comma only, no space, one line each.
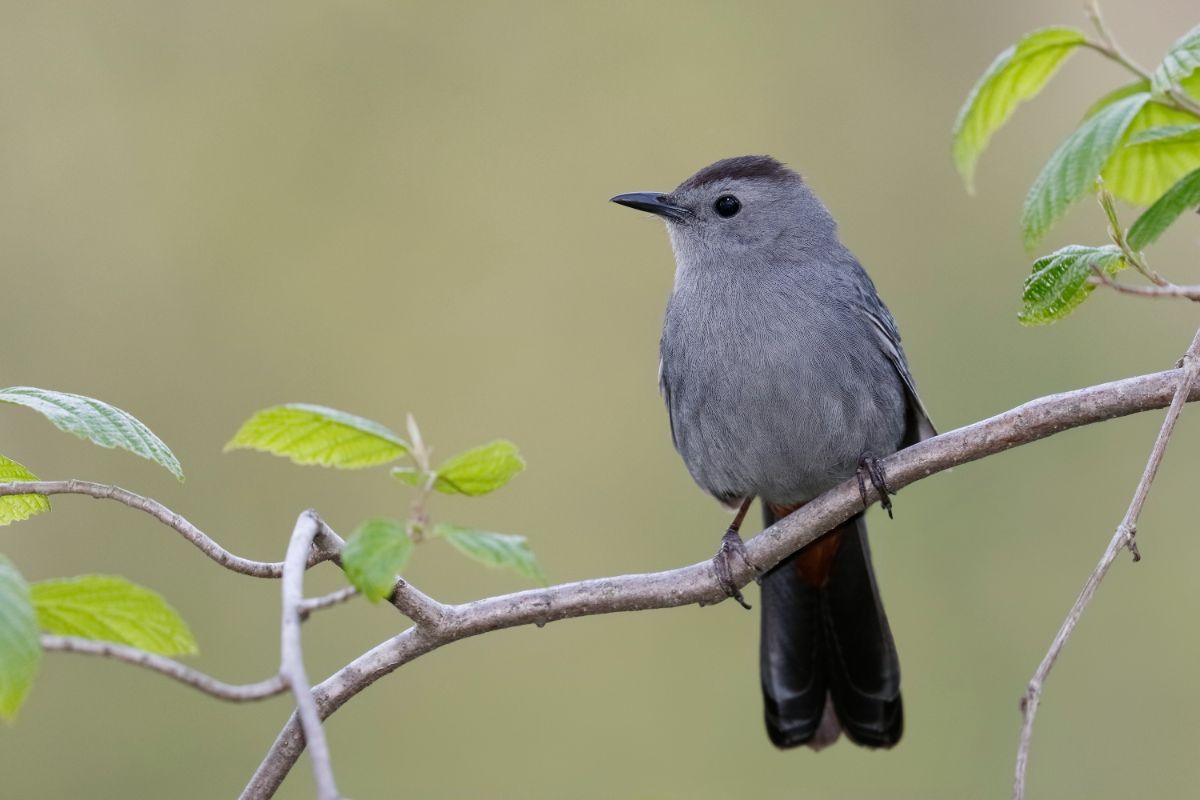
(775,396)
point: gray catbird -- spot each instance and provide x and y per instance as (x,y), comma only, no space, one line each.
(783,376)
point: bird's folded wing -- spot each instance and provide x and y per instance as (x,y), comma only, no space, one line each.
(920,426)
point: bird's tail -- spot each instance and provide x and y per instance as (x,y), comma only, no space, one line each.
(827,656)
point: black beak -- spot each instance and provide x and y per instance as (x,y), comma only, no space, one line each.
(653,202)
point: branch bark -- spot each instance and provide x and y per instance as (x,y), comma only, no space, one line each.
(291,665)
(697,583)
(1124,538)
(437,624)
(1166,290)
(235,693)
(206,545)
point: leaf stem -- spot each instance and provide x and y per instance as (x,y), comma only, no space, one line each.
(1108,47)
(1117,233)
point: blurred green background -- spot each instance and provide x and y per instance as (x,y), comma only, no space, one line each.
(208,208)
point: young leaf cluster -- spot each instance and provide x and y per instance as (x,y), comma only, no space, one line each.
(1142,140)
(380,548)
(102,607)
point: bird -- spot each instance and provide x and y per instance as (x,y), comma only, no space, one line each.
(783,376)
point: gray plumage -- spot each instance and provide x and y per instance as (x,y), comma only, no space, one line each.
(780,365)
(782,369)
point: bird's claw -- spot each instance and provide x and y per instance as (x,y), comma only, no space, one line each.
(869,467)
(731,544)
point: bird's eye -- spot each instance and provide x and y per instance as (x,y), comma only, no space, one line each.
(727,205)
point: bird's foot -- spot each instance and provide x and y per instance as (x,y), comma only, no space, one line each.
(869,468)
(732,544)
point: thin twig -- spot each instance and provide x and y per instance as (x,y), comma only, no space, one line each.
(697,583)
(410,601)
(1170,290)
(234,693)
(312,604)
(291,662)
(1124,538)
(1108,47)
(1107,44)
(99,491)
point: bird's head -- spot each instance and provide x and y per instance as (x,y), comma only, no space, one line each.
(739,211)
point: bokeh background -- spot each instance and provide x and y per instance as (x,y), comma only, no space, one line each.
(209,208)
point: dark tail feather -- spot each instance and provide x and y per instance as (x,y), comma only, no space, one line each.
(826,646)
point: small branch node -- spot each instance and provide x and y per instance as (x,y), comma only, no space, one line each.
(1033,691)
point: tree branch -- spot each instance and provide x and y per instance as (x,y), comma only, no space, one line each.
(291,665)
(1166,290)
(327,601)
(410,601)
(697,583)
(235,693)
(99,491)
(1123,538)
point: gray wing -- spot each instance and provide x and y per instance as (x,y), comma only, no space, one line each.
(664,389)
(919,425)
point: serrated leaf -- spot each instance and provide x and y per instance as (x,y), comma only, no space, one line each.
(1059,282)
(1073,167)
(1180,62)
(111,609)
(498,550)
(1119,93)
(377,552)
(20,649)
(1017,74)
(1157,218)
(309,434)
(1140,174)
(480,470)
(96,421)
(1170,133)
(16,507)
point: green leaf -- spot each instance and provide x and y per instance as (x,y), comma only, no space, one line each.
(1182,59)
(499,550)
(375,554)
(1059,281)
(20,649)
(1140,174)
(1073,167)
(1017,74)
(479,470)
(111,609)
(410,475)
(16,507)
(1157,218)
(98,422)
(309,434)
(1172,133)
(1117,94)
